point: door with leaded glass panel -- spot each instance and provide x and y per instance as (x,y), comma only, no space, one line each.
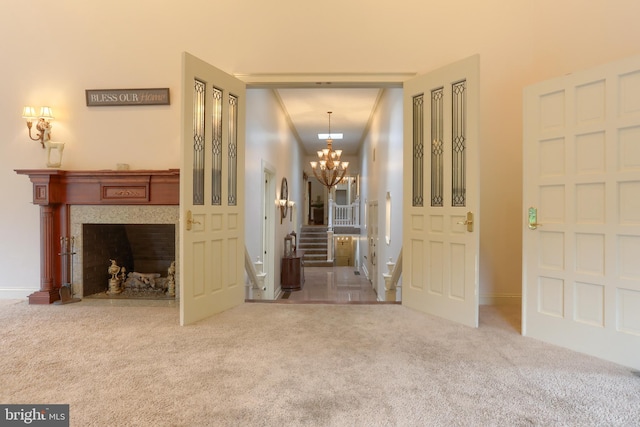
(211,191)
(441,192)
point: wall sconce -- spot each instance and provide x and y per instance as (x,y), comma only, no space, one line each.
(44,123)
(283,201)
(291,204)
(284,208)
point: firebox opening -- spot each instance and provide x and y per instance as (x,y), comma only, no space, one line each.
(144,252)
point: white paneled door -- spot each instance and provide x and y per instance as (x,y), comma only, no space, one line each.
(211,266)
(581,225)
(441,192)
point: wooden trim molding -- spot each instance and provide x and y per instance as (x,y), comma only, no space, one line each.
(55,190)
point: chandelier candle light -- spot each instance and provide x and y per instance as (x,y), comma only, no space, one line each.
(329,170)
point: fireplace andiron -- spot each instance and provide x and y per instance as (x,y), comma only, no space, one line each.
(115,281)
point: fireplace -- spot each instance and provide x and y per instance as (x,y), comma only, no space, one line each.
(144,253)
(142,239)
(69,200)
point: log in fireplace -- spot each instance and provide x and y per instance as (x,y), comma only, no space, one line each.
(55,191)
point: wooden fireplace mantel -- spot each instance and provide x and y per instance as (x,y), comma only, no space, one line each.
(55,190)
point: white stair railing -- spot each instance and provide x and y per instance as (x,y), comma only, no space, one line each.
(344,215)
(256,278)
(397,271)
(391,277)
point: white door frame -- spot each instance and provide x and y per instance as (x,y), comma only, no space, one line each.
(372,243)
(268,227)
(379,80)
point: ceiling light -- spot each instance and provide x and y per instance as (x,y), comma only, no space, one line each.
(329,170)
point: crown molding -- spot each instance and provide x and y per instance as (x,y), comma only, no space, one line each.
(337,80)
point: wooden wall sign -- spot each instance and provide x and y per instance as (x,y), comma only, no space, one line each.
(119,97)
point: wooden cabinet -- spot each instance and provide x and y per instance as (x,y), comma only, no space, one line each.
(318,216)
(292,274)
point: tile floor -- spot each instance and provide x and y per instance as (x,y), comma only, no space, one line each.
(334,285)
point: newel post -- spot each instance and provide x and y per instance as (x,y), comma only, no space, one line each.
(330,213)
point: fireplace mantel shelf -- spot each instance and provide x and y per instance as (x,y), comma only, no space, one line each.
(96,187)
(54,190)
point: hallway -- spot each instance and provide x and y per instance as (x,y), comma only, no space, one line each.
(339,285)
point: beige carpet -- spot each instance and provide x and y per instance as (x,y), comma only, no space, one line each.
(309,365)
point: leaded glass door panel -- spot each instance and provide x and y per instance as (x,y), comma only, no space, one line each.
(440,213)
(211,191)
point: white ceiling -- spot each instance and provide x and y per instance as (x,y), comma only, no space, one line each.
(351,110)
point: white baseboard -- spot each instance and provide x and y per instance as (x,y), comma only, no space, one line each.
(15,293)
(501,299)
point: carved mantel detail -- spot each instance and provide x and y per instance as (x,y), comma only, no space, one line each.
(55,190)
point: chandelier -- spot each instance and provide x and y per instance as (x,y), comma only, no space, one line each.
(329,170)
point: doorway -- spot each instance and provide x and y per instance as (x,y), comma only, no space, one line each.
(380,165)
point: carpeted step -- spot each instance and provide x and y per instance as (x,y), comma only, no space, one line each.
(312,244)
(314,251)
(324,263)
(313,241)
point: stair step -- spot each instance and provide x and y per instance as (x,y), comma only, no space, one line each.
(324,263)
(315,256)
(321,254)
(313,244)
(314,251)
(313,241)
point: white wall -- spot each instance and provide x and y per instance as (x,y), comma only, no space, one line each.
(270,141)
(53,51)
(384,174)
(60,56)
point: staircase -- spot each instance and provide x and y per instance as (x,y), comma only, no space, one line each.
(313,241)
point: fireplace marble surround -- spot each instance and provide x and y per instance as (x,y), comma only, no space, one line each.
(66,198)
(120,214)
